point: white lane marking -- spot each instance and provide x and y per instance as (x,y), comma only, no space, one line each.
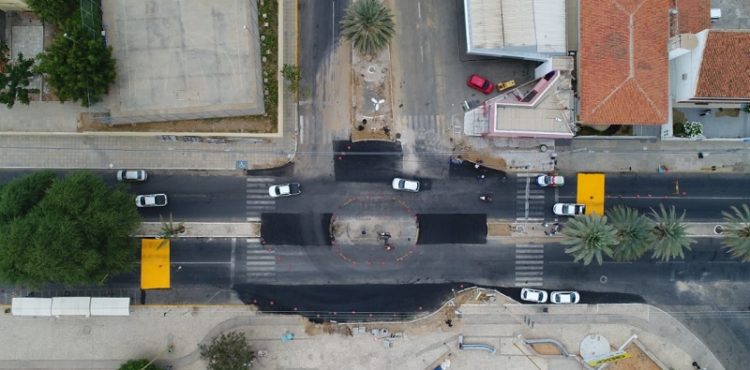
(231,269)
(419,9)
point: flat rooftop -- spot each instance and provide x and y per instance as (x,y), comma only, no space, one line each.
(181,59)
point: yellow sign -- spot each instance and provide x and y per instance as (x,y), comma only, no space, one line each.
(155,272)
(610,357)
(591,192)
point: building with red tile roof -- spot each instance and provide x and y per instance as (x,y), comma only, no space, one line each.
(623,62)
(693,15)
(712,70)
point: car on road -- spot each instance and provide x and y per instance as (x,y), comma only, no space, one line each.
(565,297)
(132,175)
(533,295)
(405,185)
(568,209)
(480,83)
(549,181)
(151,200)
(284,190)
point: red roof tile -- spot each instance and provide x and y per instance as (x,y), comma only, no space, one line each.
(694,15)
(726,62)
(623,64)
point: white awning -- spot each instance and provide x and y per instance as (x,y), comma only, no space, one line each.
(110,306)
(71,306)
(31,307)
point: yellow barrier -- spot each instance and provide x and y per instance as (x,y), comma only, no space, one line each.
(155,272)
(591,192)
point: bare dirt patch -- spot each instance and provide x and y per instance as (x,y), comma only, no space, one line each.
(244,125)
(499,229)
(639,361)
(546,349)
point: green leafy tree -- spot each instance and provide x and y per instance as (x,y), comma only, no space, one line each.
(737,232)
(229,351)
(589,237)
(369,25)
(138,365)
(71,230)
(53,11)
(633,233)
(669,236)
(15,81)
(78,67)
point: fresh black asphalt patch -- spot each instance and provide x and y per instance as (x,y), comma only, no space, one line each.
(367,161)
(295,229)
(467,169)
(452,228)
(349,303)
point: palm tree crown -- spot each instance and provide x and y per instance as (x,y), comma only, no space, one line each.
(368,24)
(737,230)
(589,237)
(669,236)
(633,233)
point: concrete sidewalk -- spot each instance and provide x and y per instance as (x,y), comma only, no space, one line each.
(645,155)
(107,342)
(204,230)
(113,152)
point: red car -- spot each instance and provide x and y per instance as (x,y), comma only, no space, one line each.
(480,83)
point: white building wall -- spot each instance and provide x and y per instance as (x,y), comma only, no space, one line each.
(685,69)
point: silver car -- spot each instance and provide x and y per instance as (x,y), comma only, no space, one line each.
(132,175)
(405,185)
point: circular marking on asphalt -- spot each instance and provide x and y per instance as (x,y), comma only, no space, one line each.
(603,279)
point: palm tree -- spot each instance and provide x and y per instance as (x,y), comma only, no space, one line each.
(669,235)
(589,237)
(633,233)
(368,24)
(737,238)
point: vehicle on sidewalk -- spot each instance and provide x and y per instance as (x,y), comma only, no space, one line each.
(132,175)
(568,209)
(565,297)
(480,83)
(405,185)
(502,86)
(549,181)
(533,295)
(151,200)
(284,190)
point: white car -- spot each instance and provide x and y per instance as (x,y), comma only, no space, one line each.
(284,190)
(533,295)
(568,209)
(405,185)
(151,200)
(547,181)
(565,297)
(132,175)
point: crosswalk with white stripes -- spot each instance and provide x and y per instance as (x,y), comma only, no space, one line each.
(529,199)
(260,262)
(257,200)
(529,265)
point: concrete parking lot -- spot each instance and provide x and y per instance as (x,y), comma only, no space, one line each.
(180,59)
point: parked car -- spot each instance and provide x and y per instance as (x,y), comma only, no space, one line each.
(284,190)
(568,209)
(151,200)
(480,83)
(405,185)
(565,297)
(533,295)
(132,175)
(548,181)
